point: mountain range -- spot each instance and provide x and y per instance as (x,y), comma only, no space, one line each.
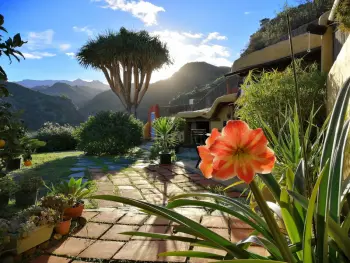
(38,108)
(73,101)
(161,92)
(95,84)
(78,94)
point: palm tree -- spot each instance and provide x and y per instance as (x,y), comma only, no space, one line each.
(125,56)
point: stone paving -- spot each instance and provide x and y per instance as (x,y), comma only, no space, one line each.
(100,238)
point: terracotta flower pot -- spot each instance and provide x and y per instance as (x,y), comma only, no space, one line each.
(63,227)
(74,212)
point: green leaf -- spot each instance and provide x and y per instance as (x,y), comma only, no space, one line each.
(307,247)
(171,237)
(238,206)
(329,147)
(299,181)
(294,232)
(273,250)
(191,254)
(201,231)
(186,202)
(272,184)
(233,185)
(249,261)
(336,175)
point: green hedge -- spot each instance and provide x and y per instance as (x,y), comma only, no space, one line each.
(57,137)
(109,133)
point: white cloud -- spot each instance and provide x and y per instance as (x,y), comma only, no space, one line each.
(70,54)
(64,47)
(214,35)
(247,13)
(143,10)
(84,29)
(37,55)
(184,49)
(39,40)
(190,35)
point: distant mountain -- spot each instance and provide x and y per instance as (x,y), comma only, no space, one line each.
(162,92)
(95,84)
(78,94)
(39,108)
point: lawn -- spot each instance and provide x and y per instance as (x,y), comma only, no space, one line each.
(52,167)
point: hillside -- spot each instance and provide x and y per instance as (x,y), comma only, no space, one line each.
(272,30)
(95,84)
(162,92)
(39,108)
(78,94)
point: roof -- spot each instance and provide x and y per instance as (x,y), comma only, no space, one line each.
(276,52)
(208,113)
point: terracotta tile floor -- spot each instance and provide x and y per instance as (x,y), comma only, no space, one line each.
(101,238)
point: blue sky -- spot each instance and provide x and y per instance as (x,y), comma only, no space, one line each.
(214,31)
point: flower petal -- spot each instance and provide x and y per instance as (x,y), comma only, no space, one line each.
(206,168)
(213,136)
(236,133)
(223,169)
(205,154)
(257,141)
(245,172)
(264,162)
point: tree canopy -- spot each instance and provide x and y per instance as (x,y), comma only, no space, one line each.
(125,57)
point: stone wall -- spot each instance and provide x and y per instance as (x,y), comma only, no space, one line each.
(338,74)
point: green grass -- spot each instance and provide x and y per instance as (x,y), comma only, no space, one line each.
(52,167)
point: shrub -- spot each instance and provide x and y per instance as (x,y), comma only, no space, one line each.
(343,15)
(57,137)
(109,133)
(268,94)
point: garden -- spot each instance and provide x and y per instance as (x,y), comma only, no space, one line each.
(282,147)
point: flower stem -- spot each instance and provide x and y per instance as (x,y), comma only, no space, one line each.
(281,241)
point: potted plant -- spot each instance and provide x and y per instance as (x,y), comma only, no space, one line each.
(7,188)
(77,190)
(32,226)
(166,138)
(28,186)
(59,203)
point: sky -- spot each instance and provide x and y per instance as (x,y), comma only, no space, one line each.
(213,31)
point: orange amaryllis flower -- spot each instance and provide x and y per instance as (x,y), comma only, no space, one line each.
(240,151)
(206,165)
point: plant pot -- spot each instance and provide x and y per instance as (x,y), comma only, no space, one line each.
(25,199)
(74,212)
(4,200)
(165,158)
(36,237)
(63,227)
(13,164)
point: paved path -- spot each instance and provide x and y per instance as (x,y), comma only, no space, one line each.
(100,239)
(138,179)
